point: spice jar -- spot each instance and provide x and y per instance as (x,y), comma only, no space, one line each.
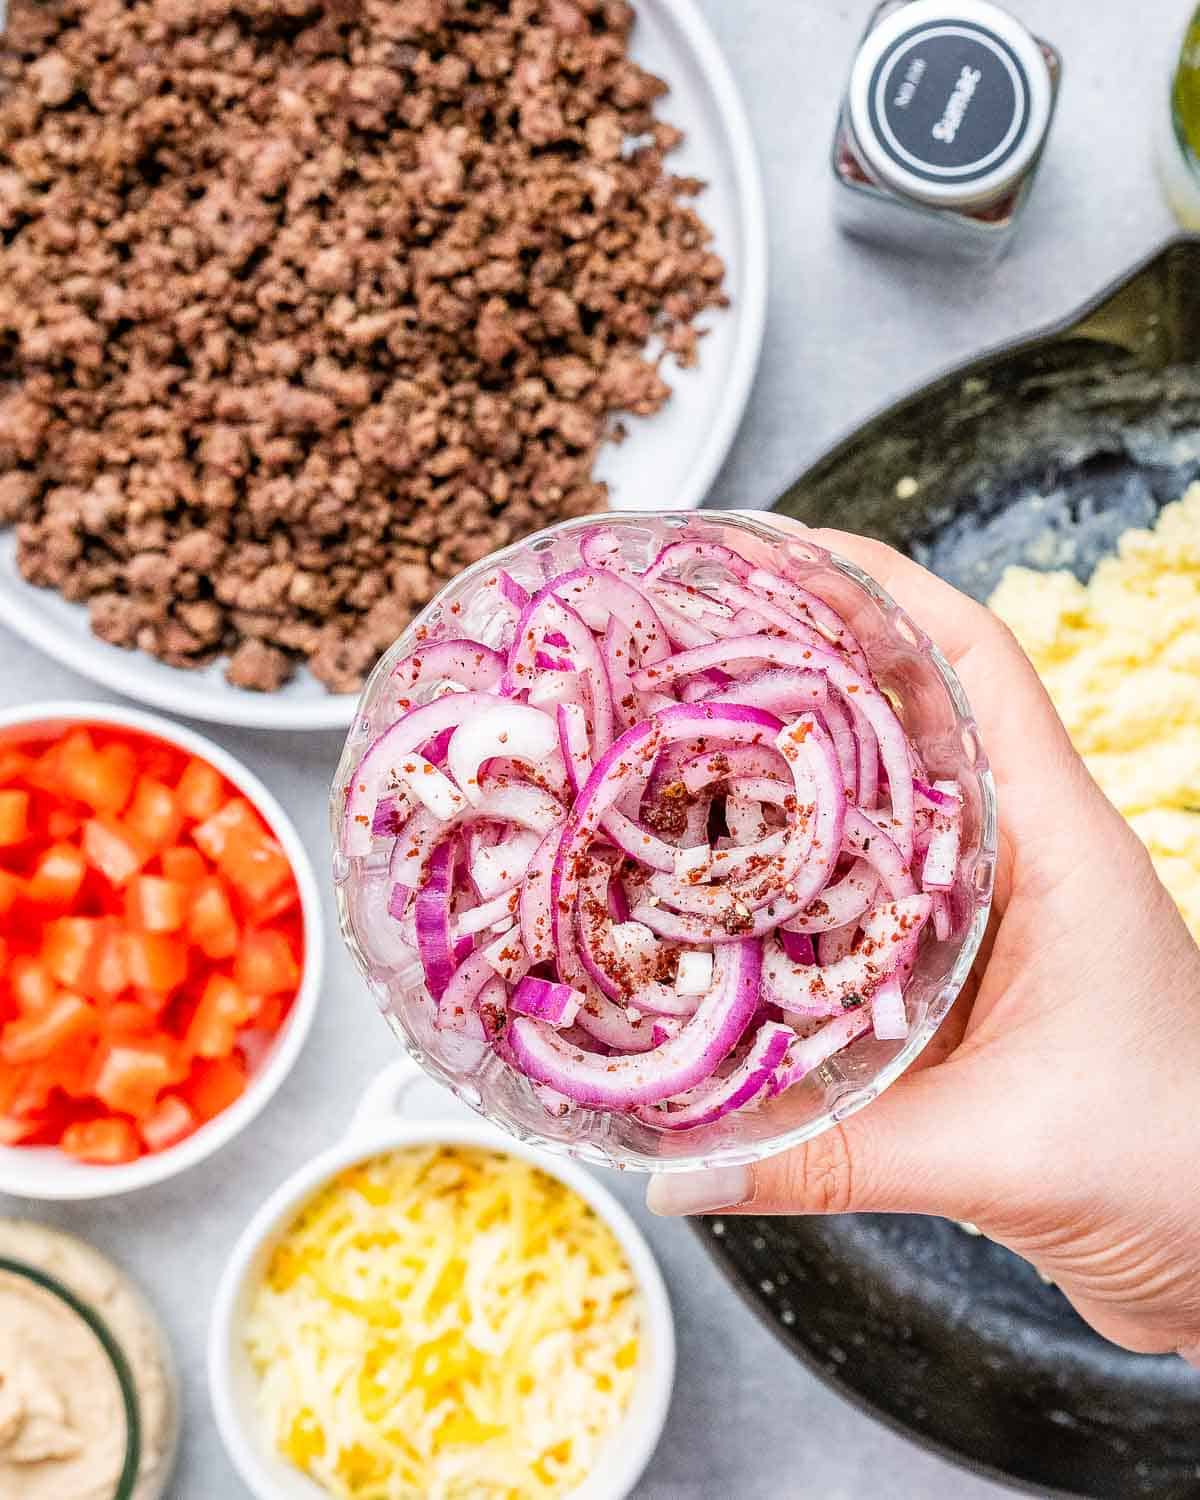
(88,1400)
(941,130)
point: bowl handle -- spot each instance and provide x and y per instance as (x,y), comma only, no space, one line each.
(389,1096)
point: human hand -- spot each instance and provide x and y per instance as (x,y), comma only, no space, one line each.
(1056,1107)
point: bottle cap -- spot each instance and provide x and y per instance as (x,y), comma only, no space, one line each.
(949,101)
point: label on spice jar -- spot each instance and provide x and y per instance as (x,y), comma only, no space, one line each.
(950,104)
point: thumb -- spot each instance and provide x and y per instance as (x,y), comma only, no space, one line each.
(899,1155)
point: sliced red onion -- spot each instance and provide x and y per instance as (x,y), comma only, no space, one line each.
(678,555)
(828,989)
(552,688)
(374,776)
(424,783)
(715,1098)
(941,858)
(481,918)
(888,1016)
(943,916)
(814,609)
(695,972)
(809,1052)
(838,904)
(676,1065)
(554,1004)
(535,900)
(499,868)
(546,612)
(869,842)
(462,994)
(468,664)
(663,776)
(893,746)
(798,946)
(432,905)
(512,730)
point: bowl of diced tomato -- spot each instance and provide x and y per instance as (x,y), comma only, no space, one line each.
(160,948)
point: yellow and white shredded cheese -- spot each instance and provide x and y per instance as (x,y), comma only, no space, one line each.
(445,1324)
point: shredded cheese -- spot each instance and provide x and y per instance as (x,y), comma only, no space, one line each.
(445,1324)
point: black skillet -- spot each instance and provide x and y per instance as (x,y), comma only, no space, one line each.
(1040,453)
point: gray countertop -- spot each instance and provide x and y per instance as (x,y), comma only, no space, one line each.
(848,330)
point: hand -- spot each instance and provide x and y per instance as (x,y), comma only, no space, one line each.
(1057,1108)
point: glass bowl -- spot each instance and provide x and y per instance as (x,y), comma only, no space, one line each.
(930,703)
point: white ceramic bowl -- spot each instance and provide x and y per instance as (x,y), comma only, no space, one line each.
(668,460)
(389,1119)
(46,1172)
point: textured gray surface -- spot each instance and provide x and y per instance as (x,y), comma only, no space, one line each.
(848,330)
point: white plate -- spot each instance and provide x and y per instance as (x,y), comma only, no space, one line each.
(667,462)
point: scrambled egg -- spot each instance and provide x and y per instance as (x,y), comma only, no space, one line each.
(1121,659)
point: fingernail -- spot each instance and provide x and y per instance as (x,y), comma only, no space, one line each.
(675,1193)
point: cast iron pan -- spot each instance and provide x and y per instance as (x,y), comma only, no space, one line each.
(1041,453)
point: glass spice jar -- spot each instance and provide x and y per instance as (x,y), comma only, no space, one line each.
(941,130)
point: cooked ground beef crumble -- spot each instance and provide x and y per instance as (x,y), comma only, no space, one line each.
(305,306)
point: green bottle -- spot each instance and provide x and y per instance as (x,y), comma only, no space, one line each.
(1179,133)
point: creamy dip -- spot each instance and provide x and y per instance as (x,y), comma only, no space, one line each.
(63,1426)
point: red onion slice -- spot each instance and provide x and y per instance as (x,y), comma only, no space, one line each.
(511,730)
(888,1016)
(828,989)
(809,1052)
(432,906)
(469,664)
(555,1004)
(715,1098)
(893,747)
(676,1065)
(374,776)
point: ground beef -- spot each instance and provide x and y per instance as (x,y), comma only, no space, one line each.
(306,304)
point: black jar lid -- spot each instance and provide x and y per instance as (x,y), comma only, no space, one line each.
(949,101)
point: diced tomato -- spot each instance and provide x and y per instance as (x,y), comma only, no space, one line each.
(168,1123)
(18,1132)
(106,1142)
(124,1016)
(213,1085)
(69,949)
(102,778)
(156,961)
(113,849)
(130,1073)
(256,865)
(223,1009)
(200,791)
(110,965)
(184,864)
(57,876)
(61,824)
(36,1034)
(155,904)
(265,963)
(211,923)
(11,886)
(15,765)
(131,882)
(14,817)
(260,913)
(154,814)
(31,982)
(233,817)
(270,1011)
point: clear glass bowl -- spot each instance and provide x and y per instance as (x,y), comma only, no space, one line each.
(935,713)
